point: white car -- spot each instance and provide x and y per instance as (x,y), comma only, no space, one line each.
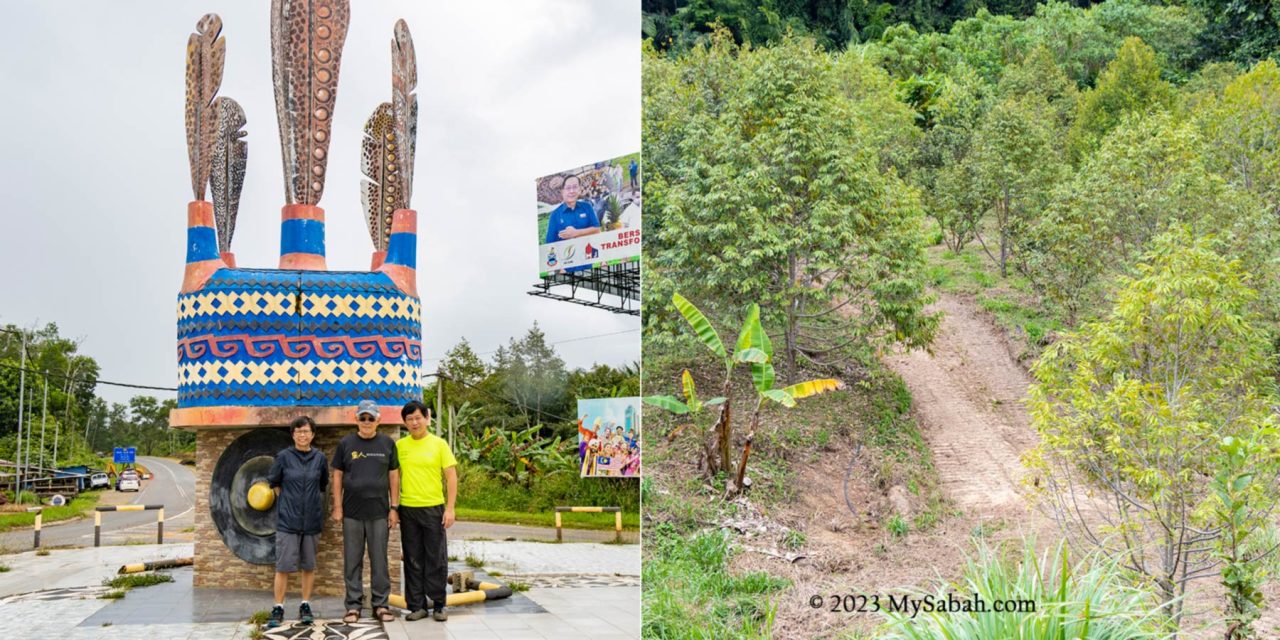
(99,480)
(128,483)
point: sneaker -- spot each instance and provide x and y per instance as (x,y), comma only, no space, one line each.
(304,613)
(277,617)
(417,615)
(440,615)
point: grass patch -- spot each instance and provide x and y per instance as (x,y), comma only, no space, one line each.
(689,593)
(518,587)
(80,505)
(112,595)
(1087,599)
(1012,300)
(131,580)
(42,552)
(4,568)
(474,562)
(593,521)
(260,617)
(897,526)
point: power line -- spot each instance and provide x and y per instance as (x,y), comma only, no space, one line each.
(507,400)
(599,335)
(106,382)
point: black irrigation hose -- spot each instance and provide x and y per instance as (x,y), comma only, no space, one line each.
(848,474)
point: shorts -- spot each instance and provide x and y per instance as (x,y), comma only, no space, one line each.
(295,551)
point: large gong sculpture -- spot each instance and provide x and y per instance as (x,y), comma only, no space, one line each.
(259,347)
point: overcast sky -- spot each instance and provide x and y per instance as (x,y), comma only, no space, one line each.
(95,181)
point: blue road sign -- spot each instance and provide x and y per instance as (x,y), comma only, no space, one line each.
(125,455)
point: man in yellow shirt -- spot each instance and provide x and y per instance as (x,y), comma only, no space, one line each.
(428,490)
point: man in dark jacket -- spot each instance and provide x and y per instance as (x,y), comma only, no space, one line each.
(299,477)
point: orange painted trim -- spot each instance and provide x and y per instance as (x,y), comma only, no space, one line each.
(229,258)
(198,273)
(303,262)
(302,212)
(199,213)
(404,221)
(406,279)
(379,257)
(227,417)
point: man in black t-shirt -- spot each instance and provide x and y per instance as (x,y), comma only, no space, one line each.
(366,493)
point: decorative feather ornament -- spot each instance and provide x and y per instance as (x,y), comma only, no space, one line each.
(404,107)
(378,191)
(206,52)
(306,49)
(230,153)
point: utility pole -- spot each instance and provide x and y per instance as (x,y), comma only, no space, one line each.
(439,399)
(22,394)
(44,416)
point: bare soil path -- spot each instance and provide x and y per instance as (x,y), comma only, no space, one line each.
(968,396)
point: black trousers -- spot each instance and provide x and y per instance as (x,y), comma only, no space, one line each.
(426,555)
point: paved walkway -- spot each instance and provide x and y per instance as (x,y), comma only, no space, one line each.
(593,593)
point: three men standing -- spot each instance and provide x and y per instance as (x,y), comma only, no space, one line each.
(366,491)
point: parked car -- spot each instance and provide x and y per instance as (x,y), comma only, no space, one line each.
(99,480)
(128,483)
(146,476)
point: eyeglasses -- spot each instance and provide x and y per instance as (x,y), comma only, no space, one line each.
(366,418)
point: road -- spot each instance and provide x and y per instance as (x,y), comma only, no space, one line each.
(171,485)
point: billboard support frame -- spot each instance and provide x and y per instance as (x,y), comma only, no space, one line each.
(620,281)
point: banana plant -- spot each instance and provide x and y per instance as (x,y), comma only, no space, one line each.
(754,349)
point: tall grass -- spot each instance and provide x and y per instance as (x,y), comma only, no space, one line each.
(690,594)
(1088,600)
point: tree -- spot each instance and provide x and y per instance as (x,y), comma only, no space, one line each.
(1130,84)
(1016,161)
(772,152)
(532,376)
(1245,31)
(1134,405)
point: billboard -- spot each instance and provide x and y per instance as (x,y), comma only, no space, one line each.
(609,437)
(589,216)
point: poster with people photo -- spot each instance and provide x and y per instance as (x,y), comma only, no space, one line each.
(589,216)
(609,437)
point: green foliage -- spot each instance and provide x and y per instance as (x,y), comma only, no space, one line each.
(132,580)
(766,144)
(1015,162)
(1244,31)
(1147,176)
(689,592)
(1244,506)
(1126,405)
(897,526)
(480,489)
(1086,600)
(1130,84)
(80,505)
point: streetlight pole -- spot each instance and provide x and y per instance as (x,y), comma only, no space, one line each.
(22,394)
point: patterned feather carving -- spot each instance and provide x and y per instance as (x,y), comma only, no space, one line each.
(230,153)
(306,49)
(404,107)
(378,191)
(206,52)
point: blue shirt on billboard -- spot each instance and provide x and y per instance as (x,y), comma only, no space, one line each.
(581,216)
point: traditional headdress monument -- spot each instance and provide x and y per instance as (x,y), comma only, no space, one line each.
(259,347)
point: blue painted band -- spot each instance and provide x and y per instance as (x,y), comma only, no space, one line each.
(302,236)
(402,249)
(202,244)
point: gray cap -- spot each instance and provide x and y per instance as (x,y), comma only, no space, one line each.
(367,407)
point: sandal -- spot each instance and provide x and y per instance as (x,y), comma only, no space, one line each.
(385,614)
(352,617)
